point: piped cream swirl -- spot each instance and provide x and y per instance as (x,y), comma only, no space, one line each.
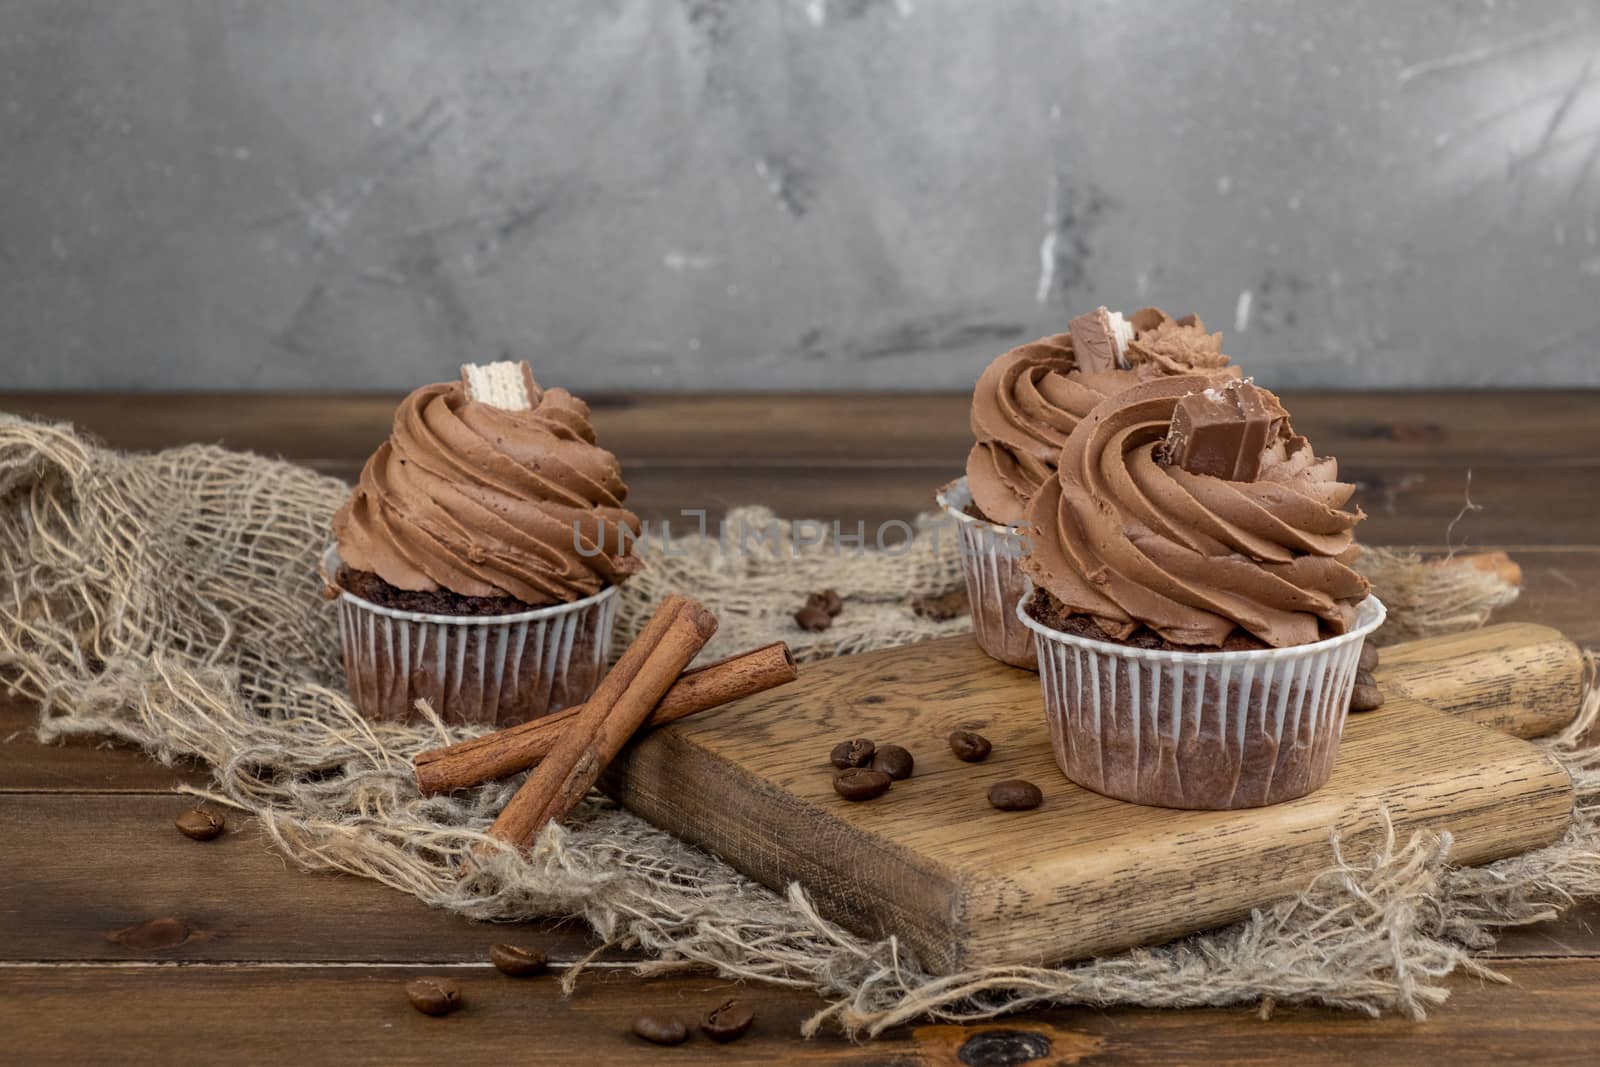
(1025,405)
(1027,401)
(1128,540)
(488,502)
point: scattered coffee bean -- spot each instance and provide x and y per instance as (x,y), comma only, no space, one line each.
(813,617)
(199,824)
(940,608)
(434,996)
(727,1022)
(1369,656)
(1366,696)
(660,1029)
(970,746)
(517,961)
(861,783)
(857,753)
(831,601)
(894,761)
(1015,795)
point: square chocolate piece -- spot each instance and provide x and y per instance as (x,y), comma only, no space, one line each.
(1224,431)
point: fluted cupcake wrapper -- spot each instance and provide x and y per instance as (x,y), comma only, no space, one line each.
(991,560)
(1209,730)
(493,670)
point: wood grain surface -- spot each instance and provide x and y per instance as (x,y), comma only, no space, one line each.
(251,1014)
(309,967)
(966,885)
(1519,678)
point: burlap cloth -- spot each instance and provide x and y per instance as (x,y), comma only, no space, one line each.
(171,601)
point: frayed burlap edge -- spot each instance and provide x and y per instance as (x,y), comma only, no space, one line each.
(1429,600)
(170,601)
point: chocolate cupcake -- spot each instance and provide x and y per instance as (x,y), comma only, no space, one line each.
(1197,621)
(1025,405)
(478,559)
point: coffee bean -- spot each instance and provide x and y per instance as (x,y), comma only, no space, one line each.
(857,753)
(942,607)
(832,602)
(660,1029)
(969,746)
(199,824)
(859,783)
(813,617)
(727,1022)
(517,961)
(894,761)
(1369,656)
(1015,795)
(1366,696)
(434,996)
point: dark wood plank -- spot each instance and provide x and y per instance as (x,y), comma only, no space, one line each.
(78,766)
(1577,933)
(109,878)
(1427,504)
(55,1015)
(1559,588)
(774,429)
(1417,508)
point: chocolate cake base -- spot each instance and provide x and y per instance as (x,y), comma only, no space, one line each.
(373,589)
(1048,611)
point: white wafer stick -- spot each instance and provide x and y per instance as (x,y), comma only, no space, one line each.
(504,385)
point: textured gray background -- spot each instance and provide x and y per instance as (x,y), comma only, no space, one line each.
(790,193)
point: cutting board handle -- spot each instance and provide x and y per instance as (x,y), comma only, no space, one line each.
(1520,678)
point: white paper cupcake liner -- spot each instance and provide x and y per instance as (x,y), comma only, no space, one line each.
(1211,730)
(991,559)
(493,670)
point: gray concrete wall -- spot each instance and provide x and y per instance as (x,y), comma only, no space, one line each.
(791,193)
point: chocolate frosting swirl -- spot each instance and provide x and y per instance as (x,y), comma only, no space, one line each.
(1029,400)
(1025,405)
(1128,540)
(486,502)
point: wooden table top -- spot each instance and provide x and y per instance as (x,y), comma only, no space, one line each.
(101,897)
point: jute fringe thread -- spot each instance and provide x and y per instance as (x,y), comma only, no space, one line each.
(170,601)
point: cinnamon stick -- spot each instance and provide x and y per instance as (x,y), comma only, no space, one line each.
(506,752)
(674,635)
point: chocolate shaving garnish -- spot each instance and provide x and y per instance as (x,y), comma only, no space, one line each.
(1177,346)
(1224,431)
(1146,319)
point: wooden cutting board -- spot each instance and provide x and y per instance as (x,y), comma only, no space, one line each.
(965,885)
